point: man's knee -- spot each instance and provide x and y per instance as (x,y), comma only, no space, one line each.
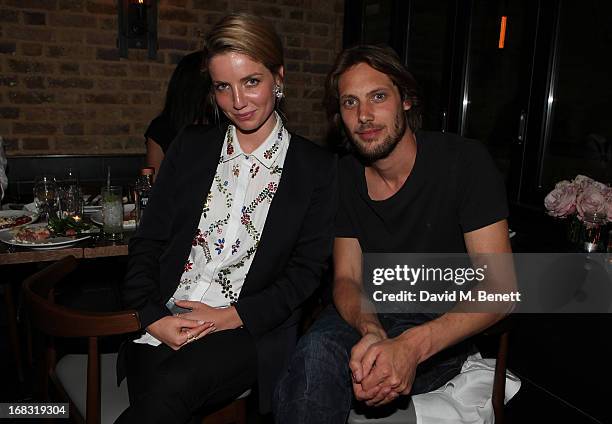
(323,346)
(320,361)
(317,383)
(316,386)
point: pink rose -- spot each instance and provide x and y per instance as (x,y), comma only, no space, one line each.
(562,184)
(561,202)
(590,201)
(582,181)
(609,204)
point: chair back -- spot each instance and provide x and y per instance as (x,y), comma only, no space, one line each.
(59,321)
(502,330)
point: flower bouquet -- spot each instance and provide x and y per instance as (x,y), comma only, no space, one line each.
(586,201)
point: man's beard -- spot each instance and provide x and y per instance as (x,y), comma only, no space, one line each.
(381,149)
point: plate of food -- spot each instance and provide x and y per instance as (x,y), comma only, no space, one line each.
(129,217)
(14,219)
(56,234)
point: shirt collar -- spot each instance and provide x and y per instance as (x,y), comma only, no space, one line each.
(266,153)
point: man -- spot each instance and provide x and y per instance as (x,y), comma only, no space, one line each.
(401,190)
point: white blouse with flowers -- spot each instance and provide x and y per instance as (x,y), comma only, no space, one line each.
(233,217)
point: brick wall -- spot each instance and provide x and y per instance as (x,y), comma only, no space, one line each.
(64,89)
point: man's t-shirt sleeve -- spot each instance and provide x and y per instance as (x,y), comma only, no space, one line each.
(482,192)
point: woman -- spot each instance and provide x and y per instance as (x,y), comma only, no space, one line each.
(239,223)
(185,105)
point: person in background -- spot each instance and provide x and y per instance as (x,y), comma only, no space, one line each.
(235,238)
(185,105)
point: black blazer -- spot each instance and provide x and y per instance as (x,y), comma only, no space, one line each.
(295,242)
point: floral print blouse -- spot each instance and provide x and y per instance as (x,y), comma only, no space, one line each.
(233,217)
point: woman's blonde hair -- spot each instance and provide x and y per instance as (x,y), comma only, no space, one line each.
(246,34)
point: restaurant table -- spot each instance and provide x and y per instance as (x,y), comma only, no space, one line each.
(95,247)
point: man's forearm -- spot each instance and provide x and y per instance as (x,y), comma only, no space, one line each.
(355,309)
(445,331)
(455,326)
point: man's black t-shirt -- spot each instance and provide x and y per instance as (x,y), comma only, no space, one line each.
(454,188)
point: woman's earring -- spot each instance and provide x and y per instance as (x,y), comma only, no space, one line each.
(278,91)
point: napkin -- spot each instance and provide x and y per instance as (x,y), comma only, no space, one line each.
(467,398)
(30,207)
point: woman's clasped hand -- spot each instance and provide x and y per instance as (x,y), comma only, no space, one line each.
(175,331)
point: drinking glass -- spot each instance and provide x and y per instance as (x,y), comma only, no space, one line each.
(70,195)
(112,212)
(46,195)
(71,202)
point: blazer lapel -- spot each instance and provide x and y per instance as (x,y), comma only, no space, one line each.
(203,163)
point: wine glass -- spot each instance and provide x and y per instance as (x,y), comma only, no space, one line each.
(45,195)
(70,195)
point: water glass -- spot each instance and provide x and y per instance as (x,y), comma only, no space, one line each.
(46,196)
(71,201)
(70,195)
(112,212)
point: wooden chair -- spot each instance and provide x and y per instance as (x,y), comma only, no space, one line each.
(501,330)
(92,374)
(74,373)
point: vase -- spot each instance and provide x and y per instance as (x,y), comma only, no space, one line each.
(592,234)
(574,229)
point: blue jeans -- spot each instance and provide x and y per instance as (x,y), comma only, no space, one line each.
(317,389)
